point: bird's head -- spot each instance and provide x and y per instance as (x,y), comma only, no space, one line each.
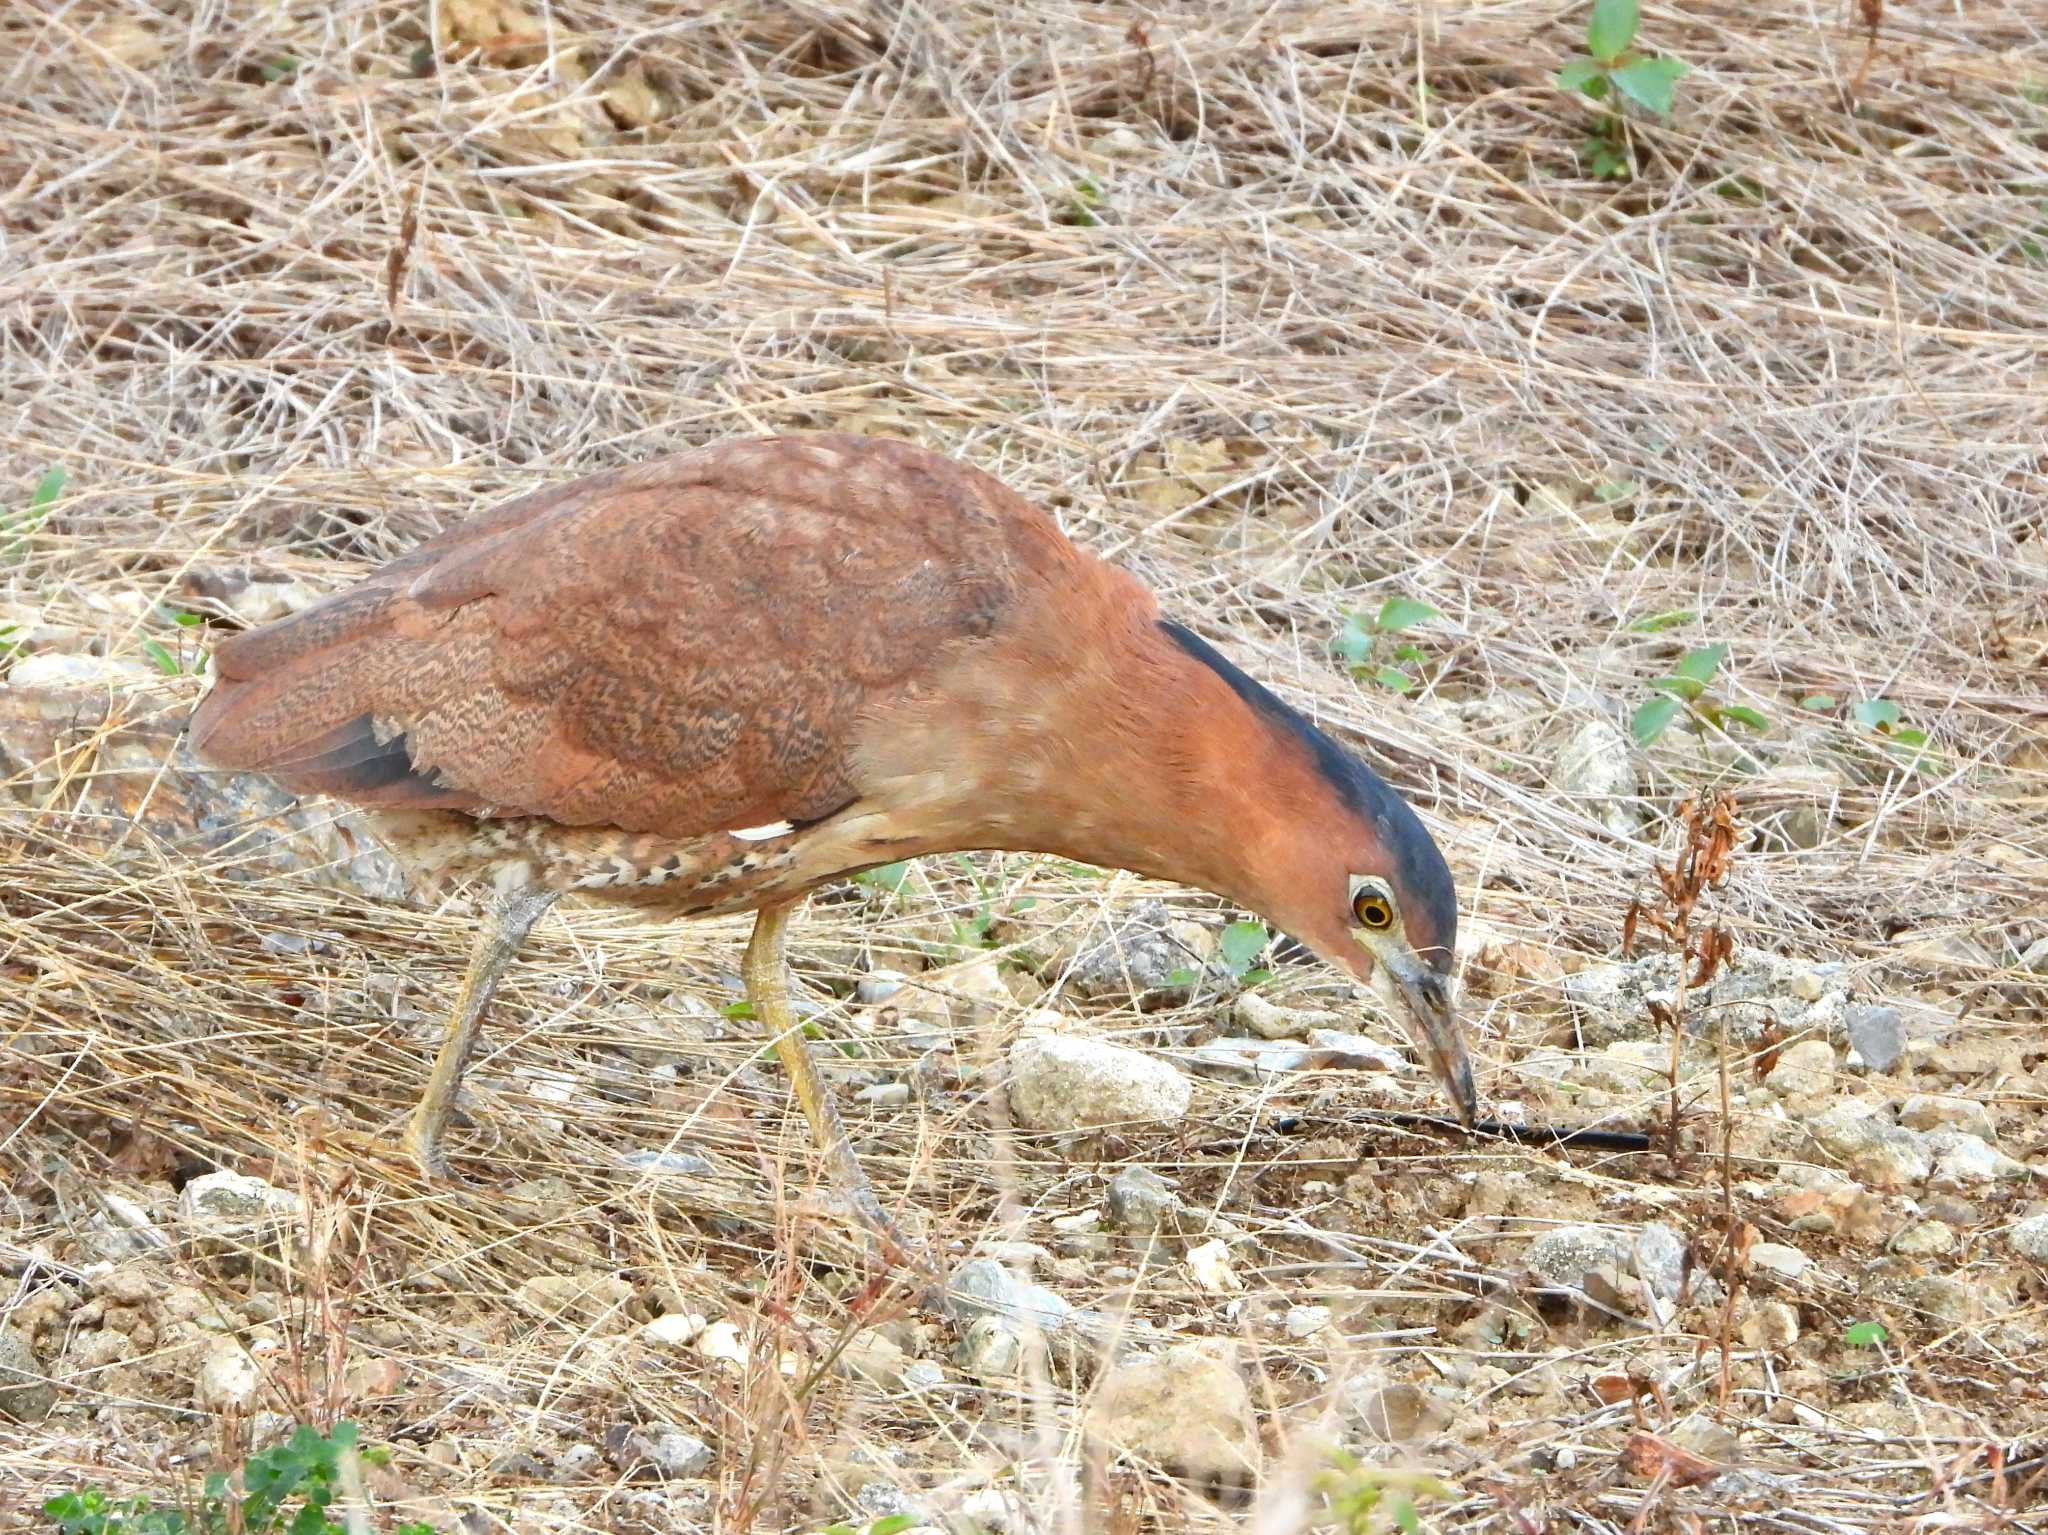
(1344,864)
(1372,895)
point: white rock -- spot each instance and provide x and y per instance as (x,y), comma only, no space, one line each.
(722,1344)
(1210,1265)
(1186,1411)
(1598,765)
(233,1199)
(1068,1084)
(674,1329)
(1877,1036)
(229,1380)
(1804,1069)
(1567,1254)
(1926,1239)
(990,1349)
(51,669)
(1777,1259)
(1960,1157)
(1929,1111)
(1306,1321)
(1253,1014)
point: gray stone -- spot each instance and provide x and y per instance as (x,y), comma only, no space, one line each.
(1305,1321)
(1598,765)
(667,1164)
(1065,1083)
(1142,958)
(1874,1150)
(658,1449)
(1140,1202)
(879,986)
(1658,1258)
(2029,1237)
(1566,1255)
(26,1394)
(985,1287)
(1925,1239)
(579,1462)
(1877,1035)
(885,1500)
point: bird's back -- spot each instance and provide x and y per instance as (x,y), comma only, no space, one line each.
(680,648)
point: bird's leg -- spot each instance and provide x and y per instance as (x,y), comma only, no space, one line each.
(507,921)
(767,982)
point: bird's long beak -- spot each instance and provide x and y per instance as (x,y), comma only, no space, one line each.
(1427,998)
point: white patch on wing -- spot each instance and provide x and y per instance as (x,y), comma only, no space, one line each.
(766,833)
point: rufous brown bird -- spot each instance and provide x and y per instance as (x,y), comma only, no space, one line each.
(714,682)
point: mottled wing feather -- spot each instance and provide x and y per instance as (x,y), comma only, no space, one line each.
(680,648)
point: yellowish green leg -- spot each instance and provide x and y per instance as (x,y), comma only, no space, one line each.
(506,924)
(767,981)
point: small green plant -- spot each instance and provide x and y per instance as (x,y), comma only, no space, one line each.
(1613,70)
(885,876)
(1369,1500)
(1086,198)
(1864,1334)
(1375,648)
(888,1524)
(1238,951)
(16,527)
(1685,692)
(173,663)
(283,67)
(1883,722)
(285,1490)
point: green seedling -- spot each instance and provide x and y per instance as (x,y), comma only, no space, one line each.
(1883,722)
(1376,647)
(1370,1500)
(15,527)
(1612,71)
(288,1489)
(1864,1334)
(1684,693)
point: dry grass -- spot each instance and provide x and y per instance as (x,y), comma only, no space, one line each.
(1288,307)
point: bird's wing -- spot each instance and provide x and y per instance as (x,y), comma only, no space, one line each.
(681,648)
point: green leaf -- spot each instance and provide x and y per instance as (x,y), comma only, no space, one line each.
(47,490)
(1612,28)
(1354,641)
(1409,653)
(1864,1335)
(1609,163)
(1405,1518)
(1649,721)
(1243,942)
(888,876)
(1700,665)
(892,1524)
(1398,613)
(283,67)
(165,661)
(1393,678)
(1817,701)
(1875,713)
(739,1011)
(1742,714)
(1183,976)
(1657,623)
(186,620)
(1650,83)
(1580,73)
(1687,688)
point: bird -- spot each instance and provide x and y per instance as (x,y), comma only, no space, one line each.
(712,682)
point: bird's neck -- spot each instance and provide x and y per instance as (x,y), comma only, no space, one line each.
(1154,757)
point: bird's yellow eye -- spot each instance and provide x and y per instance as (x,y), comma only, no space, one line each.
(1372,910)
